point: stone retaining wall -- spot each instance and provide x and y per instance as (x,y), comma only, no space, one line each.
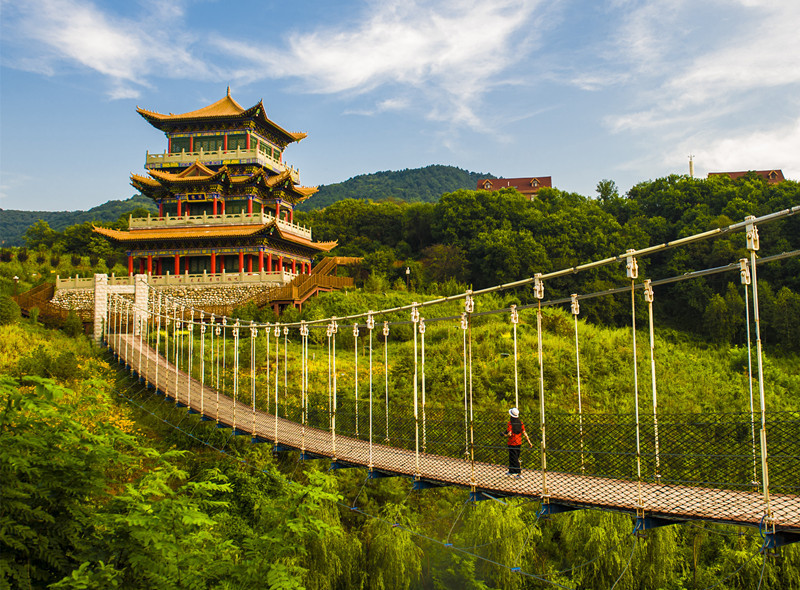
(83,299)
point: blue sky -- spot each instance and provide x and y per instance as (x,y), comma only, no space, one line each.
(577,90)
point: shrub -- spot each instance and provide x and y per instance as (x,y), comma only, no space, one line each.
(34,314)
(41,258)
(94,259)
(111,260)
(9,311)
(55,260)
(72,325)
(75,260)
(6,255)
(57,365)
(22,255)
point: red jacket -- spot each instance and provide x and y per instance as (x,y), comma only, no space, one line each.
(515,439)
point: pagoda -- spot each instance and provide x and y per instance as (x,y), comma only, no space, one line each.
(225,198)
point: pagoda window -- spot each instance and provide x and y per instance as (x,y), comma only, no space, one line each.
(209,143)
(237,141)
(180,144)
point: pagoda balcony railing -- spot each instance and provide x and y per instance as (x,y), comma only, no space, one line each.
(243,218)
(218,158)
(275,279)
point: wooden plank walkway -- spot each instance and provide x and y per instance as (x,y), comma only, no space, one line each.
(678,502)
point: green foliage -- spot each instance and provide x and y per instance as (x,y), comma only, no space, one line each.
(15,224)
(420,184)
(9,311)
(72,325)
(53,468)
(42,362)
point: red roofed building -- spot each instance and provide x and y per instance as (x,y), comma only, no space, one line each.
(527,186)
(771,176)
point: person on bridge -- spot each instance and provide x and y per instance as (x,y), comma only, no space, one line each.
(514,433)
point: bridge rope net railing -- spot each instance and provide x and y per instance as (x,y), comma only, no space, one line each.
(666,466)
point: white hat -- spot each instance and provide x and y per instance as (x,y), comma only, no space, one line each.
(514,412)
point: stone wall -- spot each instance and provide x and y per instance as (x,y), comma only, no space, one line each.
(83,299)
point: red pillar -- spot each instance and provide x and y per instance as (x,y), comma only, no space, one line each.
(150,264)
(248,141)
(215,206)
(141,266)
(223,206)
(277,210)
(291,215)
(191,143)
(294,266)
(159,270)
(179,207)
(241,261)
(169,145)
(130,264)
(280,263)
(260,261)
(177,264)
(188,211)
(225,142)
(269,262)
(249,263)
(160,210)
(213,263)
(249,205)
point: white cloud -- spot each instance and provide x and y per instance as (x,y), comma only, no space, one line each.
(450,52)
(775,148)
(127,51)
(693,70)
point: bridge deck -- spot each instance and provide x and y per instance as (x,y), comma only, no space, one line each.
(678,502)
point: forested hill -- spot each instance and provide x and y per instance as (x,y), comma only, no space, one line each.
(424,185)
(13,223)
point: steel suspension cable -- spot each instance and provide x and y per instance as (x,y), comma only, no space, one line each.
(632,271)
(575,308)
(127,327)
(355,371)
(277,375)
(253,334)
(329,333)
(189,366)
(464,325)
(514,322)
(158,337)
(753,246)
(236,370)
(334,330)
(303,384)
(386,373)
(224,352)
(744,273)
(148,335)
(424,419)
(176,346)
(469,307)
(648,296)
(414,322)
(203,329)
(538,292)
(286,364)
(370,327)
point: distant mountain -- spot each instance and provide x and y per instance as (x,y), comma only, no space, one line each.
(417,185)
(13,223)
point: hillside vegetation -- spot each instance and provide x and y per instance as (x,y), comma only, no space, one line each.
(14,223)
(423,185)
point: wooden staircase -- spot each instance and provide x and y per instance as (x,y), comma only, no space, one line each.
(302,287)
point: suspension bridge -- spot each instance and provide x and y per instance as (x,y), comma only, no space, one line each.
(661,468)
